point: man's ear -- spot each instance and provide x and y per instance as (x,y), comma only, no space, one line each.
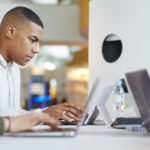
(10,31)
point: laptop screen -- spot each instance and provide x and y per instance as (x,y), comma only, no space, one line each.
(139,83)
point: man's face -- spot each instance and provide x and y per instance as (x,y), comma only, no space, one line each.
(25,43)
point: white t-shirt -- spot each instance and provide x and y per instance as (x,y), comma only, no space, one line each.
(10,89)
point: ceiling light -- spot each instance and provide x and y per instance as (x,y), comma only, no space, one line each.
(59,52)
(49,66)
(45,1)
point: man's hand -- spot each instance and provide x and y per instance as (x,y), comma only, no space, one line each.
(26,122)
(66,111)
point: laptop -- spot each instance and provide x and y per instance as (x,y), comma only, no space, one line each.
(139,87)
(66,131)
(101,109)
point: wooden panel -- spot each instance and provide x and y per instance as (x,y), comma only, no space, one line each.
(84,17)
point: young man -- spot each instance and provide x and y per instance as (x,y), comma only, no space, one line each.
(20,33)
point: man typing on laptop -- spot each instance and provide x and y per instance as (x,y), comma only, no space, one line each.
(21,31)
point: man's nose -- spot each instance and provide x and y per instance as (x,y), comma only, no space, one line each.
(36,48)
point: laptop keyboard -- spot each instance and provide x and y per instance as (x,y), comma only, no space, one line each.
(136,128)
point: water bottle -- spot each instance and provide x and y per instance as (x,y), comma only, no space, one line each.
(118,100)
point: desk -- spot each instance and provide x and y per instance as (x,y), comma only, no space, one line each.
(89,138)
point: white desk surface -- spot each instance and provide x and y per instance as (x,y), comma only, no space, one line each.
(89,138)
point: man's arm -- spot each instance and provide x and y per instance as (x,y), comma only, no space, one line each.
(26,122)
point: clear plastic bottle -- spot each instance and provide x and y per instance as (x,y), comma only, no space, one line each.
(118,100)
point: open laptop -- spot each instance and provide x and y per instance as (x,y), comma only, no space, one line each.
(139,87)
(65,132)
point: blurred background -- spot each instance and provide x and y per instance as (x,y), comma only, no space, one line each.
(59,73)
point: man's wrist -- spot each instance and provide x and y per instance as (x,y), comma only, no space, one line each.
(44,110)
(7,124)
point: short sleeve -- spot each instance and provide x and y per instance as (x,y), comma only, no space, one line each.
(1,126)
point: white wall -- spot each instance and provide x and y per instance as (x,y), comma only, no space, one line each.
(61,21)
(130,20)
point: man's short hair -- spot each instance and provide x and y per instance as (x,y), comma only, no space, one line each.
(25,13)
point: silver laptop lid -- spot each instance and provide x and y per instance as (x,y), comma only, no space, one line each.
(90,97)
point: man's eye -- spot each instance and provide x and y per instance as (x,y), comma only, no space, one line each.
(32,40)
